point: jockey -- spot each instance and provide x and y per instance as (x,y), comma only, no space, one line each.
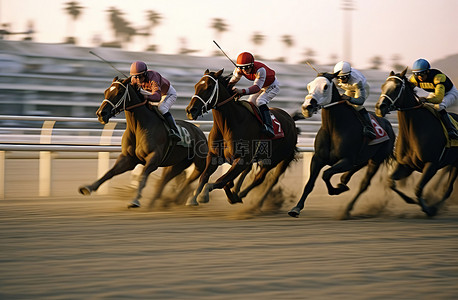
(356,91)
(156,88)
(265,86)
(442,92)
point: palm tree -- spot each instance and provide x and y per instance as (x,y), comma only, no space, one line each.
(376,62)
(397,66)
(288,41)
(309,55)
(154,20)
(257,39)
(122,29)
(74,10)
(220,27)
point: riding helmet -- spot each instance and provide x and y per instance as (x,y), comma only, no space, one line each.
(245,59)
(137,68)
(420,65)
(343,67)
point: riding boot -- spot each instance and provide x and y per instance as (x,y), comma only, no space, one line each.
(368,129)
(268,128)
(173,133)
(452,132)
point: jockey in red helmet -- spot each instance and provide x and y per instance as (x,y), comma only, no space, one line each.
(437,88)
(265,86)
(156,88)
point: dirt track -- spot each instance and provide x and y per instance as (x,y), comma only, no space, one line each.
(92,248)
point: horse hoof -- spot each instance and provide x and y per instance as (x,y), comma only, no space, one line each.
(134,204)
(234,199)
(341,188)
(294,212)
(203,199)
(430,211)
(192,202)
(85,190)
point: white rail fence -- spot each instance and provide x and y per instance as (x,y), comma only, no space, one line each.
(104,144)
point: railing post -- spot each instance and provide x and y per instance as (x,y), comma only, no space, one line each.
(45,175)
(104,157)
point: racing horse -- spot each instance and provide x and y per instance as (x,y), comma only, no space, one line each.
(340,143)
(236,138)
(422,143)
(145,141)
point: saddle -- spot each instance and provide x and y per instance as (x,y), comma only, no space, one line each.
(279,133)
(182,131)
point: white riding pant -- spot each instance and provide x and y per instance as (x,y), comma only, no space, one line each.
(265,94)
(167,100)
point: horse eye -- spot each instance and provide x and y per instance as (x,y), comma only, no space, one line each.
(325,87)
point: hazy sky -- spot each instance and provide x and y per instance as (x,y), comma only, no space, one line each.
(408,28)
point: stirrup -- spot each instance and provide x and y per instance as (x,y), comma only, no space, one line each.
(174,136)
(269,131)
(369,132)
(453,135)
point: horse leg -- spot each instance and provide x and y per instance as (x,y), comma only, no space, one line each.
(152,163)
(401,172)
(231,194)
(372,168)
(229,176)
(429,171)
(210,168)
(345,178)
(259,178)
(242,177)
(451,180)
(167,175)
(342,165)
(279,170)
(123,163)
(315,167)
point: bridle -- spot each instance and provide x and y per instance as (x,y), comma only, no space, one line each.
(401,90)
(209,103)
(122,101)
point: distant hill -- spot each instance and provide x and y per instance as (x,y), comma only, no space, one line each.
(449,66)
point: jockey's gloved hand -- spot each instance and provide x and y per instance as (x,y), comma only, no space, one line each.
(345,97)
(422,100)
(237,91)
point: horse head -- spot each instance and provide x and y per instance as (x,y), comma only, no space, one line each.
(394,90)
(117,96)
(321,91)
(211,89)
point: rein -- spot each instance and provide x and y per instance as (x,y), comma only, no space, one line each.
(123,101)
(207,104)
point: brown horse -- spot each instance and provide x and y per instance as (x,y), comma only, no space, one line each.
(340,143)
(422,143)
(145,141)
(236,138)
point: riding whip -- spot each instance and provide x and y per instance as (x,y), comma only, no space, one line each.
(310,65)
(107,62)
(224,53)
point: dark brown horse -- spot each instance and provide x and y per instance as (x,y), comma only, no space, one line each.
(236,138)
(340,143)
(421,145)
(146,142)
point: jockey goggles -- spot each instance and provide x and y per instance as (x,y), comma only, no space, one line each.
(245,67)
(421,73)
(343,77)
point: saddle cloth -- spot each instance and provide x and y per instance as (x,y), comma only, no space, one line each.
(279,133)
(379,131)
